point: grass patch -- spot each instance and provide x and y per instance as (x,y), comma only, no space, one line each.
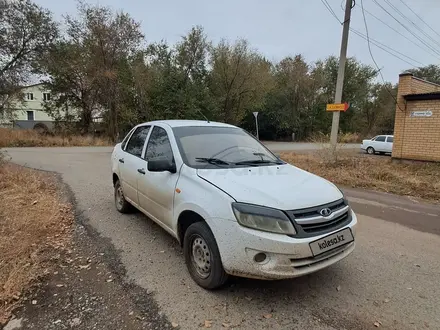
(30,138)
(34,231)
(376,173)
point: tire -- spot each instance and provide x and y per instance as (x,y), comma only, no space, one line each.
(370,151)
(202,257)
(120,202)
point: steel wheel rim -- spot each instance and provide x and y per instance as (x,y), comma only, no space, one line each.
(119,198)
(370,151)
(200,257)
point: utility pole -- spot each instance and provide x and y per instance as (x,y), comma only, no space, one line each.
(341,72)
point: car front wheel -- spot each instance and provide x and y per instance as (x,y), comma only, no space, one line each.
(121,203)
(370,150)
(202,256)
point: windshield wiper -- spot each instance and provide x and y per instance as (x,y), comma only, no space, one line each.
(214,161)
(257,162)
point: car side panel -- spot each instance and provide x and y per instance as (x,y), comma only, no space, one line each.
(156,189)
(130,176)
(389,145)
(201,197)
(115,159)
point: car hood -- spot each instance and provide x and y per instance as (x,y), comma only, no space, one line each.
(283,187)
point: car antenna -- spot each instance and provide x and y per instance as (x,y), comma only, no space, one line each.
(203,115)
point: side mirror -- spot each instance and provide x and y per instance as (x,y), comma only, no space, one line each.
(161,165)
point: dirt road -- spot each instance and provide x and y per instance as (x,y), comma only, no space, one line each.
(392,278)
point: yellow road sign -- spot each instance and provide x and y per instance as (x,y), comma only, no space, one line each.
(337,107)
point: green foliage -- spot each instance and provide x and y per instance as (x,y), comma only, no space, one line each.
(26,31)
(430,73)
(102,67)
(238,81)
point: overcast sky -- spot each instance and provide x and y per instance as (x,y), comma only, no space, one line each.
(279,28)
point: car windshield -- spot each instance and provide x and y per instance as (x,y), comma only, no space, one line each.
(220,147)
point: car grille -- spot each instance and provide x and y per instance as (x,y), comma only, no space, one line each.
(312,228)
(309,222)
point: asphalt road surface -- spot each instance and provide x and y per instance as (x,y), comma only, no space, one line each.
(391,280)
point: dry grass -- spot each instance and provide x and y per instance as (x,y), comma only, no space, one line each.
(349,138)
(31,138)
(34,230)
(342,138)
(376,173)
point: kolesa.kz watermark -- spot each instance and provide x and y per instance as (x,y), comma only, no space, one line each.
(330,242)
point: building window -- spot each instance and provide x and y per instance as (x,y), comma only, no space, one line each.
(30,115)
(29,96)
(46,96)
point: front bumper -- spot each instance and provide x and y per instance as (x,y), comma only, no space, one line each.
(287,257)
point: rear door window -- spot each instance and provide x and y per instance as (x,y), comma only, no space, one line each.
(137,141)
(390,139)
(125,140)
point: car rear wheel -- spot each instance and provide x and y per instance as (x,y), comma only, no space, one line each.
(202,257)
(370,151)
(121,203)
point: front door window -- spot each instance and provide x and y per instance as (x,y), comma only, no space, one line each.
(159,145)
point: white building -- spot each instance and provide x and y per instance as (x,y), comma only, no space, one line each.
(29,112)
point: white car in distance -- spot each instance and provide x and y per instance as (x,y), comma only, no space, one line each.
(234,206)
(380,144)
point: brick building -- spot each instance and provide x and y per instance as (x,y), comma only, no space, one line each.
(417,123)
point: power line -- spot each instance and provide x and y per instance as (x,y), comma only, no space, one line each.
(330,9)
(372,57)
(382,46)
(409,20)
(378,44)
(401,34)
(419,17)
(406,28)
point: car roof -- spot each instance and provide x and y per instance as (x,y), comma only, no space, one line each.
(183,123)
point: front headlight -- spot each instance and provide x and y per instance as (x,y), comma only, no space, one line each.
(263,218)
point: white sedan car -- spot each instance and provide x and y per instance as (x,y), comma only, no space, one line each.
(234,207)
(380,144)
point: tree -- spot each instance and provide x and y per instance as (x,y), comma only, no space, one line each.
(288,106)
(26,31)
(378,114)
(177,86)
(430,73)
(72,82)
(90,70)
(239,80)
(356,91)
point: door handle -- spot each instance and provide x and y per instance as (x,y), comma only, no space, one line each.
(121,160)
(141,170)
